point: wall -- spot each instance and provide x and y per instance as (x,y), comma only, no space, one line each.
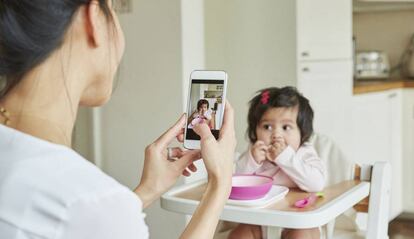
(146,100)
(408,149)
(82,139)
(389,31)
(254,41)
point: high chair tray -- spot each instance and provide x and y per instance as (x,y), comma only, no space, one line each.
(282,213)
(275,194)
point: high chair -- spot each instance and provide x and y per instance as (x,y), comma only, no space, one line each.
(376,206)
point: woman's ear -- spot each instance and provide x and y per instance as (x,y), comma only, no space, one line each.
(93,21)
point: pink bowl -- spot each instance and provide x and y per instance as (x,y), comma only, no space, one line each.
(248,187)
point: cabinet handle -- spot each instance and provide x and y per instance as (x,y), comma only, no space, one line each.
(413,112)
(392,95)
(305,69)
(305,54)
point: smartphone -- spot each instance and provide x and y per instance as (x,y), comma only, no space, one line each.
(206,102)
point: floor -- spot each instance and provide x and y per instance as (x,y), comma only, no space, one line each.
(401,228)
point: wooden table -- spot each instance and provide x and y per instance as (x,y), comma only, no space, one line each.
(282,214)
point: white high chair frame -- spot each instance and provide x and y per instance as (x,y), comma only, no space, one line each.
(374,183)
(377,205)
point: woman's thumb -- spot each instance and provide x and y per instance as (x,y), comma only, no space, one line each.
(203,131)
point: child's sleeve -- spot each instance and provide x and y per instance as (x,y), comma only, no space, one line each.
(247,164)
(304,167)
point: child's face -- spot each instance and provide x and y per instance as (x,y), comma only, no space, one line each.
(203,109)
(279,122)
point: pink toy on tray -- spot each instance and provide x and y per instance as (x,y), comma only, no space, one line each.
(250,186)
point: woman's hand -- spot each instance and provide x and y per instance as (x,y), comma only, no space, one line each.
(218,159)
(160,173)
(218,155)
(259,151)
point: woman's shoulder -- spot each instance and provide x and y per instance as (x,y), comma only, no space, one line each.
(48,190)
(45,182)
(78,177)
(59,170)
(36,163)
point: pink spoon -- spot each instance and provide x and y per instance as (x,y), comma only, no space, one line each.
(308,200)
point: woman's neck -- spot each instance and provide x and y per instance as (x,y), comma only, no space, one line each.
(44,104)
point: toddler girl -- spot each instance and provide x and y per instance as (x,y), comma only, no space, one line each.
(202,114)
(279,126)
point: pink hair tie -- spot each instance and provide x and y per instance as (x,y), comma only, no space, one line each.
(265,97)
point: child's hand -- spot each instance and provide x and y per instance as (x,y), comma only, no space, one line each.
(275,149)
(259,151)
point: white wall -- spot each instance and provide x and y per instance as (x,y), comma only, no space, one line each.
(82,139)
(147,100)
(193,55)
(408,149)
(254,41)
(192,41)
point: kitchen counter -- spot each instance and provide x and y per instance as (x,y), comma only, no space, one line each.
(361,87)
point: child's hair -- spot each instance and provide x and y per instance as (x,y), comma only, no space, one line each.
(201,103)
(274,97)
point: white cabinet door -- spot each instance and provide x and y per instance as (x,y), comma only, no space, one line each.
(328,86)
(376,136)
(396,160)
(324,29)
(370,126)
(408,149)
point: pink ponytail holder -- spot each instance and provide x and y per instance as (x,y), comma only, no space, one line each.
(265,97)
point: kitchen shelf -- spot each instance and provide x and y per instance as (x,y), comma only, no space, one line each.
(362,87)
(381,6)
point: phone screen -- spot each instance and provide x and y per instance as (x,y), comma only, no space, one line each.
(205,106)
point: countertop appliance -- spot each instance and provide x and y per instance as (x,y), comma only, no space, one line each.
(371,65)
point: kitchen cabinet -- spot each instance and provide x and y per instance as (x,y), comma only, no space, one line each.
(396,148)
(375,126)
(328,86)
(324,63)
(381,6)
(408,149)
(324,29)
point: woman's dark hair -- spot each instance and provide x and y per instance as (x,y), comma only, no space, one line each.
(30,30)
(280,97)
(201,103)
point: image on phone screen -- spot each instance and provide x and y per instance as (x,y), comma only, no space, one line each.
(205,106)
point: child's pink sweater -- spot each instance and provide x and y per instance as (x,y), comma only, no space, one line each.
(303,168)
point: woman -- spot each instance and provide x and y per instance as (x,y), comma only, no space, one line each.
(54,56)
